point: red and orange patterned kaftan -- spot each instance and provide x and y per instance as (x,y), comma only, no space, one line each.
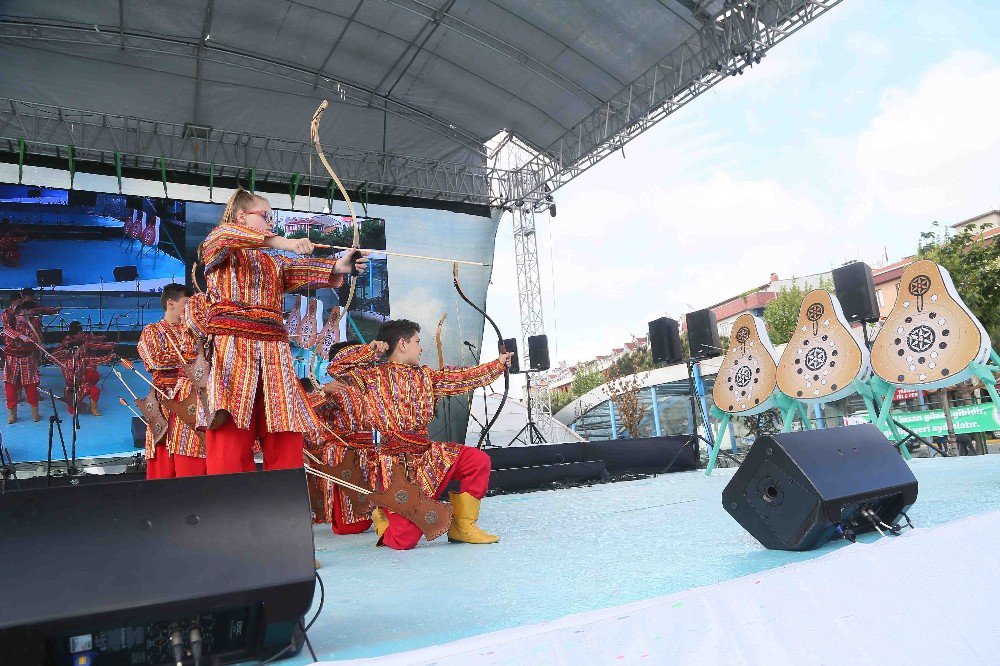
(79,356)
(20,368)
(251,356)
(182,450)
(343,414)
(399,403)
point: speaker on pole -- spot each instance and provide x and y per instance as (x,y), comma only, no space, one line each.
(49,277)
(797,490)
(665,340)
(703,333)
(538,352)
(510,344)
(855,289)
(230,555)
(126,273)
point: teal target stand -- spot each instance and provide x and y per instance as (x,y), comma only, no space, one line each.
(788,407)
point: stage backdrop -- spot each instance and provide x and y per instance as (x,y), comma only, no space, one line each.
(400,287)
(90,231)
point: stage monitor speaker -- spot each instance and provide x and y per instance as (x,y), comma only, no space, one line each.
(665,340)
(797,490)
(855,289)
(538,352)
(703,334)
(139,432)
(49,277)
(123,562)
(510,344)
(126,273)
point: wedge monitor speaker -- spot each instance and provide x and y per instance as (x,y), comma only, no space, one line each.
(797,490)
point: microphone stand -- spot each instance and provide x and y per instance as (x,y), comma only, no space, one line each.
(100,304)
(7,471)
(76,411)
(54,420)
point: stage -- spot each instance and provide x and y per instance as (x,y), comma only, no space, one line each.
(588,550)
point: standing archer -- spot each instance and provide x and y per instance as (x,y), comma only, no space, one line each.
(165,347)
(22,339)
(253,388)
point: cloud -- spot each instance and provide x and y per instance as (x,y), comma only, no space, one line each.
(864,45)
(931,151)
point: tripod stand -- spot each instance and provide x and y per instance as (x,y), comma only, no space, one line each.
(530,429)
(7,471)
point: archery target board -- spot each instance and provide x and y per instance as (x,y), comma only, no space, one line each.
(745,384)
(930,336)
(824,355)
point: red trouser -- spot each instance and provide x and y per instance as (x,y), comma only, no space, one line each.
(165,466)
(229,449)
(337,521)
(89,389)
(11,390)
(471,470)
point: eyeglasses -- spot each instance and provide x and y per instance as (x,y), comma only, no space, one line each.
(268,215)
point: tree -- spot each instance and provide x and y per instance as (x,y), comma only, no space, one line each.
(974,265)
(782,313)
(638,359)
(624,394)
(586,381)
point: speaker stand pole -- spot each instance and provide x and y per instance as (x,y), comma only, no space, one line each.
(530,429)
(713,447)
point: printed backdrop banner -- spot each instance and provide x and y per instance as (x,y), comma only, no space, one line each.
(931,423)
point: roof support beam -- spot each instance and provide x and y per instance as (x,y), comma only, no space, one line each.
(206,32)
(733,40)
(336,43)
(497,45)
(13,29)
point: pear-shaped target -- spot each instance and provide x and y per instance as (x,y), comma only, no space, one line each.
(930,336)
(745,383)
(823,356)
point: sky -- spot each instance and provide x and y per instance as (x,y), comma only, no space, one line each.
(845,142)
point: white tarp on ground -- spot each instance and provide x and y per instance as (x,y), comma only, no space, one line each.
(918,599)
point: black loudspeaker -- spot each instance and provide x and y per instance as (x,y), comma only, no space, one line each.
(856,291)
(510,344)
(538,352)
(139,432)
(126,273)
(797,490)
(703,334)
(665,340)
(49,277)
(82,199)
(126,562)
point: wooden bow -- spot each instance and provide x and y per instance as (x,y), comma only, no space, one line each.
(502,349)
(356,241)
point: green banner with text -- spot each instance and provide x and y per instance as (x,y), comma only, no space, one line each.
(970,418)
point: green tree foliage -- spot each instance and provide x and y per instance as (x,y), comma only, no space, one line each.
(974,265)
(781,314)
(586,381)
(639,359)
(372,231)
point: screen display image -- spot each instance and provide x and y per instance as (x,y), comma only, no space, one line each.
(92,266)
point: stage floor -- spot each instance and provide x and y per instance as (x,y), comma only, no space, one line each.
(585,549)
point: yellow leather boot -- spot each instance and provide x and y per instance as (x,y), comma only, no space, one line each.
(35,416)
(12,414)
(380,522)
(93,407)
(463,526)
